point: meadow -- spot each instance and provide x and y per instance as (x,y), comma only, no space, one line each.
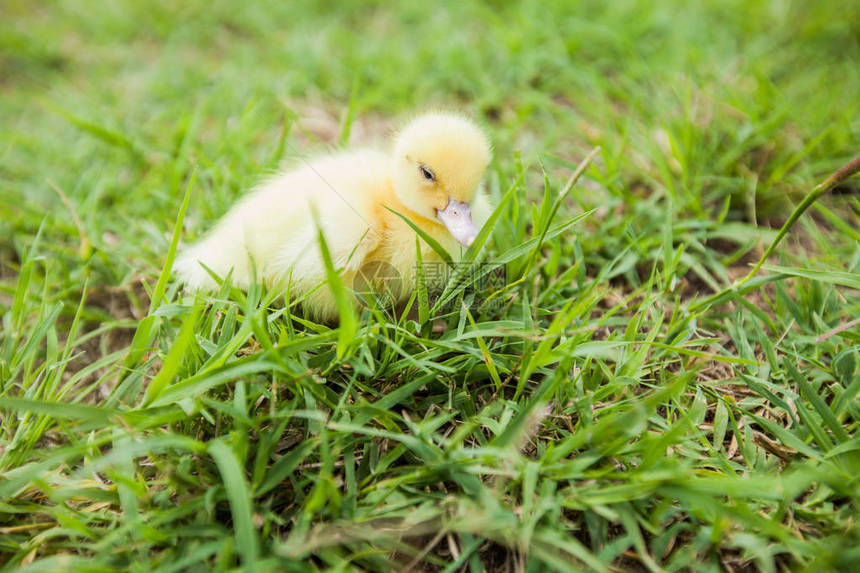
(666,380)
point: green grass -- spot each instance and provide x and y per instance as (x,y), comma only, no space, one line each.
(625,402)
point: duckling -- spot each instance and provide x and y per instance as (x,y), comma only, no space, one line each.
(432,176)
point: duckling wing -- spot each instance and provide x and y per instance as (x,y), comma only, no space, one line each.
(273,231)
(343,209)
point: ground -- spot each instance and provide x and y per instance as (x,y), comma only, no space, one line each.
(624,399)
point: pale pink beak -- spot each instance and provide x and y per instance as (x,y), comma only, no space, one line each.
(457,218)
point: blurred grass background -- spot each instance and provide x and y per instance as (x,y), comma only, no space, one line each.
(722,101)
(713,120)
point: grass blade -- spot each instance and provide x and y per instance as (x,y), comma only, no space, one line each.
(239,496)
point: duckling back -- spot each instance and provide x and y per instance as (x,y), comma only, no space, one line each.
(271,231)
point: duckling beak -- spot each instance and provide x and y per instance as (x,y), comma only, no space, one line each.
(457,218)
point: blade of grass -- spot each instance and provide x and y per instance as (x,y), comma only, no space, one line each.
(239,496)
(817,192)
(431,242)
(345,306)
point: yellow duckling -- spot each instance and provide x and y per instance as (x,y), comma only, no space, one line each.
(433,177)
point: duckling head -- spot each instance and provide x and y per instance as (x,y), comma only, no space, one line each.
(439,160)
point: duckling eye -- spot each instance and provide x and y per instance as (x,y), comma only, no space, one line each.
(426,173)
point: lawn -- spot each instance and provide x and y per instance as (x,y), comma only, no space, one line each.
(637,394)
